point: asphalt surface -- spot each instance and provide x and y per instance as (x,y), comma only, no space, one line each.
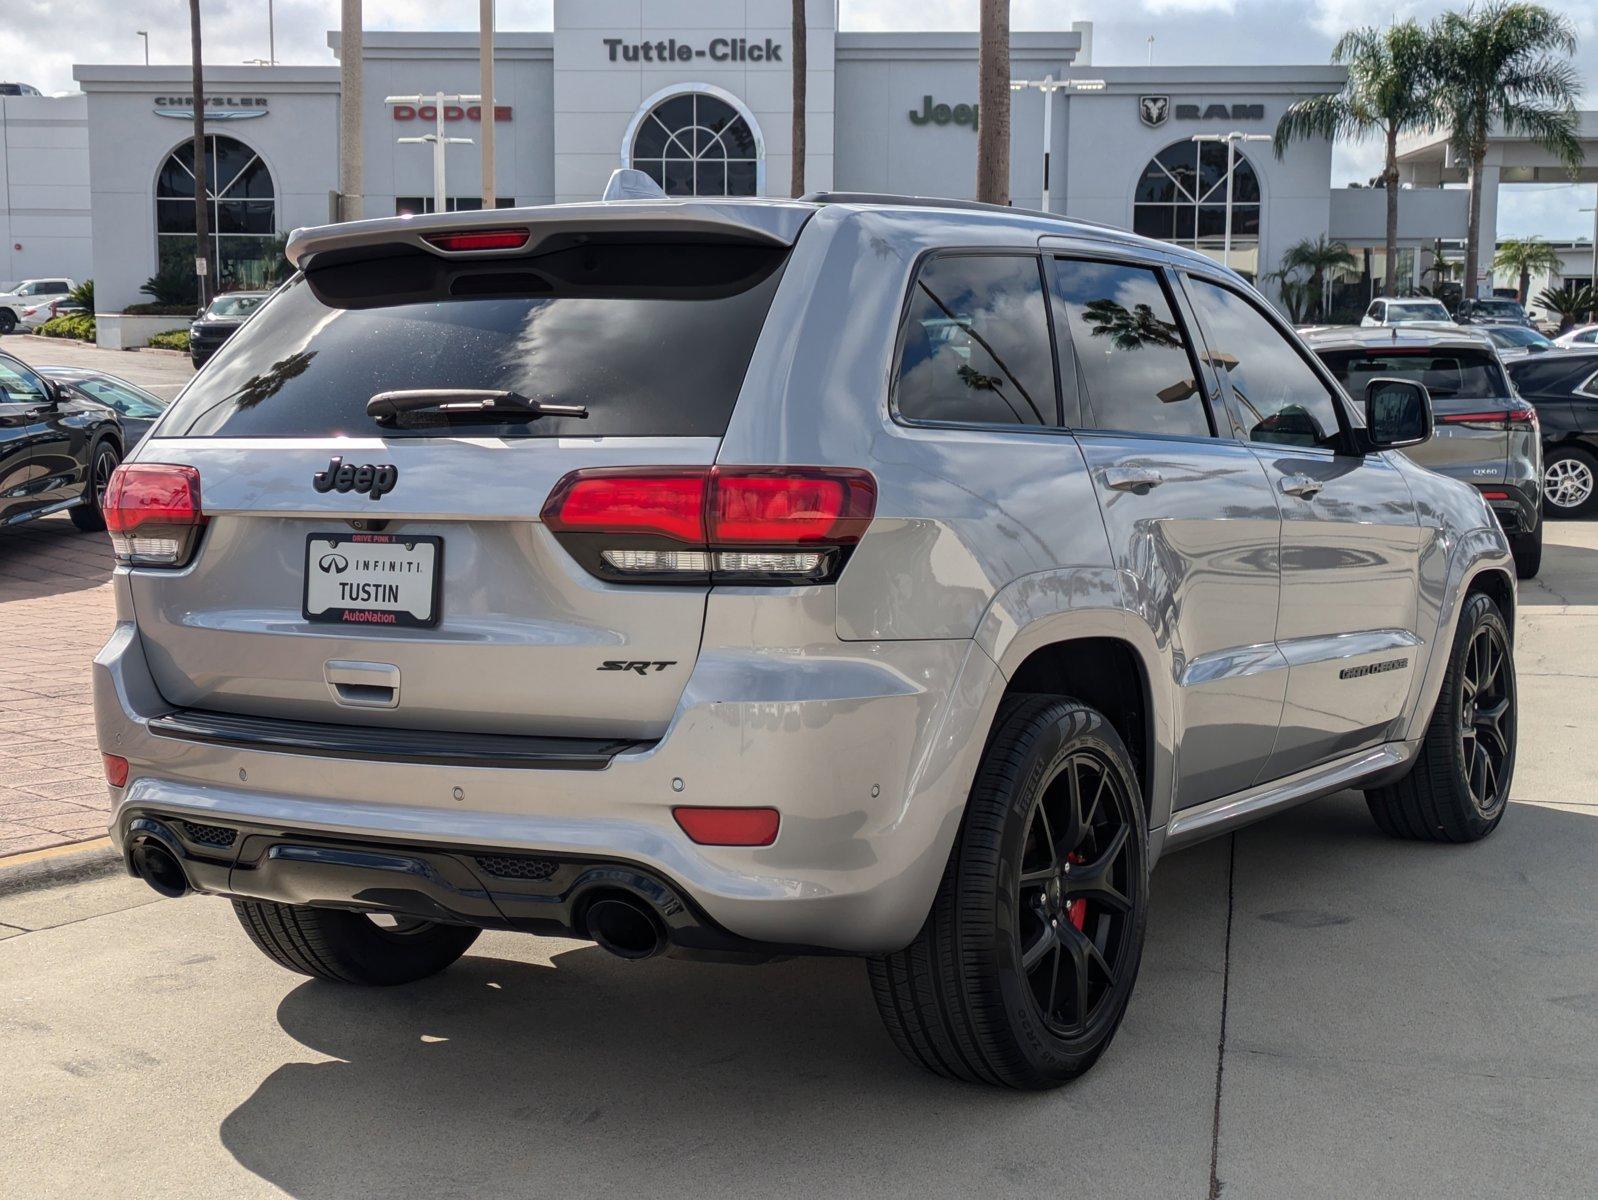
(1322,1012)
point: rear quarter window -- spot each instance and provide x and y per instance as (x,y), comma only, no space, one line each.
(653,336)
(1462,374)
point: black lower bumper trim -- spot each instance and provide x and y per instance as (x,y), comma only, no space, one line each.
(487,887)
(391,745)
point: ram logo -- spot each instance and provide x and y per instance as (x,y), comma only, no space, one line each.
(1152,110)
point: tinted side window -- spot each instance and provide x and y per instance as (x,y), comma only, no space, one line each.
(1542,377)
(975,344)
(1280,397)
(1136,371)
(20,386)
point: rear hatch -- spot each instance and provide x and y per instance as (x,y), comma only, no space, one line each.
(1471,400)
(392,570)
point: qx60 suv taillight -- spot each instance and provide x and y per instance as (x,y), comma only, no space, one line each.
(771,525)
(152,511)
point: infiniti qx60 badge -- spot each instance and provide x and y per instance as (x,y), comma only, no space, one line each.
(373,479)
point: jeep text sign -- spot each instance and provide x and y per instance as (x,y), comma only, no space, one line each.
(943,114)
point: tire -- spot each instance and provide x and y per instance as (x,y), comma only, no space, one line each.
(1570,482)
(1448,795)
(196,361)
(349,947)
(961,999)
(8,321)
(1528,551)
(103,459)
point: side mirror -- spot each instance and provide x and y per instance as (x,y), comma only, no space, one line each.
(1398,413)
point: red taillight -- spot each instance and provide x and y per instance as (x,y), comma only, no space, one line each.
(1495,495)
(669,503)
(1523,417)
(116,769)
(713,524)
(779,507)
(729,826)
(152,511)
(480,239)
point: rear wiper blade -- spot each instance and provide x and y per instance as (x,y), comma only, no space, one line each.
(467,404)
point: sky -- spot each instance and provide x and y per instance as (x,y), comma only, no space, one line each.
(41,39)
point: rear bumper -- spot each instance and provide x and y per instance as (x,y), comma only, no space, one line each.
(867,749)
(1517,507)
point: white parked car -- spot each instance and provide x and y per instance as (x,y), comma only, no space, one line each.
(1414,310)
(36,315)
(1581,335)
(30,293)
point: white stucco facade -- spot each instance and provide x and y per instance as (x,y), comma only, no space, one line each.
(634,82)
(44,187)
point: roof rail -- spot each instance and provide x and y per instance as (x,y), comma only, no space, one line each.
(890,198)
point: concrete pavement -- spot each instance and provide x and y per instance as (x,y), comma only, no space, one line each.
(1322,1012)
(156,371)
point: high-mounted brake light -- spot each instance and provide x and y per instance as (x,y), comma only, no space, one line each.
(713,524)
(479,239)
(152,511)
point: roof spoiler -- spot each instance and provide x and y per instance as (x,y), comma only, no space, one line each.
(766,222)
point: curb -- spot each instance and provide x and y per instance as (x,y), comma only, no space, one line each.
(57,866)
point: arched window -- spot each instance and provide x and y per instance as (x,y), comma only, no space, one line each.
(1182,198)
(697,144)
(242,207)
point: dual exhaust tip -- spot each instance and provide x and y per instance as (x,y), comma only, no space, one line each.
(619,922)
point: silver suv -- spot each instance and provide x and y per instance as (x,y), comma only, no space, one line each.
(1486,435)
(748,579)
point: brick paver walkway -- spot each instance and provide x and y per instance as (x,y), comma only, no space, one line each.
(56,611)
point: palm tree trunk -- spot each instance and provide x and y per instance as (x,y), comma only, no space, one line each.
(1525,284)
(1473,227)
(993,97)
(203,248)
(797,186)
(1390,179)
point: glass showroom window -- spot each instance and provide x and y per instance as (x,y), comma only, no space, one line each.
(243,206)
(697,145)
(1182,198)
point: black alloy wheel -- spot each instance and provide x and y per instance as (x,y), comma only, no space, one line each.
(1073,912)
(1487,719)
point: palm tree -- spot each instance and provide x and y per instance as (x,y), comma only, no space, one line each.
(993,99)
(1504,64)
(1526,255)
(797,186)
(204,250)
(1320,257)
(1388,93)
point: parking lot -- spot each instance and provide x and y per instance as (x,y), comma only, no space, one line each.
(1322,1012)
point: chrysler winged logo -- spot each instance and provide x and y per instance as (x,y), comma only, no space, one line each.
(1152,110)
(333,564)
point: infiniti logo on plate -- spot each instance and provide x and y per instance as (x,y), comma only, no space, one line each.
(337,564)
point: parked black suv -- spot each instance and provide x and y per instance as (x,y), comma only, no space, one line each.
(56,451)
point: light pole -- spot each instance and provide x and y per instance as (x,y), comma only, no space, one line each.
(485,54)
(145,34)
(1048,85)
(1231,140)
(437,138)
(1593,282)
(271,35)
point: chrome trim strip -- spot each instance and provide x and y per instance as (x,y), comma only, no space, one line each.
(1301,652)
(1219,816)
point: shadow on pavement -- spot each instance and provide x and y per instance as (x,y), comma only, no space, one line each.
(591,1076)
(49,557)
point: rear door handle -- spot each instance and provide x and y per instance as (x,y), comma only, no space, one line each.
(1302,486)
(1132,479)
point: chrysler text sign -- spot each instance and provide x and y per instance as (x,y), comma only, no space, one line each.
(722,50)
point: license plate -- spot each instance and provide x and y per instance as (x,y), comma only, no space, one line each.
(372,579)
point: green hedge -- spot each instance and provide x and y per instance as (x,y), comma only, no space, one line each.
(72,325)
(172,339)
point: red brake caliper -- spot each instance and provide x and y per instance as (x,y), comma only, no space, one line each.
(1076,912)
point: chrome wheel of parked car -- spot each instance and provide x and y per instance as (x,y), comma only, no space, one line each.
(1074,915)
(1568,482)
(1487,719)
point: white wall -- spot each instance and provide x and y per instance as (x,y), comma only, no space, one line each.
(595,98)
(44,187)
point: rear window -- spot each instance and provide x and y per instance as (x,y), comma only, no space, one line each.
(1401,314)
(653,336)
(1446,374)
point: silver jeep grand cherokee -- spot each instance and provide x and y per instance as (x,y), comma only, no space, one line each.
(748,579)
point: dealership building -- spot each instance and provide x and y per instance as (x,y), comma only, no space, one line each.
(698,95)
